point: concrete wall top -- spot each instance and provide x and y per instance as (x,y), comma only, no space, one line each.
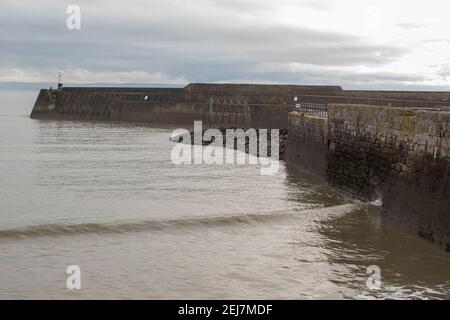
(443,96)
(205,89)
(333,107)
(259,89)
(123,90)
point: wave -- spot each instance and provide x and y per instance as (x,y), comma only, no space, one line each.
(51,230)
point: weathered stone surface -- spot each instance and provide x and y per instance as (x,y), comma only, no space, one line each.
(397,155)
(307,144)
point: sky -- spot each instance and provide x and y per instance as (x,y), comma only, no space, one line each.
(383,44)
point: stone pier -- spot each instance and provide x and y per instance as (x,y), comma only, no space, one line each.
(391,146)
(399,156)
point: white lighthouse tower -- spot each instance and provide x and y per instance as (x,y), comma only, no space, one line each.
(60,80)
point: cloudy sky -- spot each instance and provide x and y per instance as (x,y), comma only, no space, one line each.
(354,43)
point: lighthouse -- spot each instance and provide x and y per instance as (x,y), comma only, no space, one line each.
(60,80)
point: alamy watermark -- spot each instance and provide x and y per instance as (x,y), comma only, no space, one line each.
(73,281)
(73,21)
(215,153)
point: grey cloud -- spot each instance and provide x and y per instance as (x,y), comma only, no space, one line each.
(202,41)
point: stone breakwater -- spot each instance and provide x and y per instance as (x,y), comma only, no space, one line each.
(216,105)
(395,155)
(390,146)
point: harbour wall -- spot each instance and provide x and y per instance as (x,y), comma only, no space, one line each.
(391,146)
(307,144)
(217,105)
(397,156)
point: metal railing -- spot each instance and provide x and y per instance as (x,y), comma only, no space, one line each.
(313,109)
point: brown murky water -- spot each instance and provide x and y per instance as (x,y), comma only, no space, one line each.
(107,198)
